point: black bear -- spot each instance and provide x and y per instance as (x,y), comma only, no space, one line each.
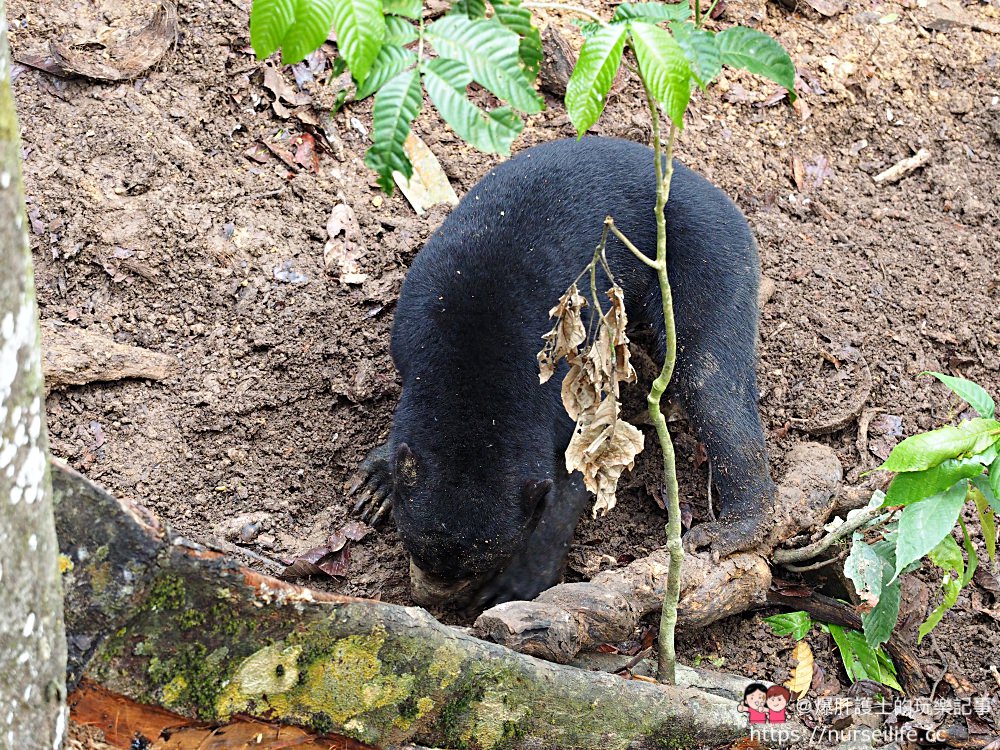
(474,468)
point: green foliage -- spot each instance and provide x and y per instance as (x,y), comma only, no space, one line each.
(861,661)
(396,106)
(938,471)
(701,49)
(795,624)
(445,81)
(913,486)
(973,393)
(593,75)
(928,449)
(923,525)
(494,44)
(490,50)
(740,47)
(664,67)
(391,61)
(406,8)
(651,12)
(296,26)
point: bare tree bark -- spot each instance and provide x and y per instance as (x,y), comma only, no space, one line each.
(32,640)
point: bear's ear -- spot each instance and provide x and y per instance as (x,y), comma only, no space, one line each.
(405,468)
(534,498)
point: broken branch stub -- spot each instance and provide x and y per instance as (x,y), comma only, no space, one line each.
(160,622)
(572,617)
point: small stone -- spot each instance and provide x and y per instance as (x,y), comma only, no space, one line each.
(960,103)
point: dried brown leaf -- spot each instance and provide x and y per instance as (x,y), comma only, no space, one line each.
(802,673)
(566,335)
(601,450)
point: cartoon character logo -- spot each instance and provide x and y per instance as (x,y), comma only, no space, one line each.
(755,702)
(777,701)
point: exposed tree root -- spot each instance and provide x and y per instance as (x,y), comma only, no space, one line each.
(573,617)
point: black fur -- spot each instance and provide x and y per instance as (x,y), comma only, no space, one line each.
(474,433)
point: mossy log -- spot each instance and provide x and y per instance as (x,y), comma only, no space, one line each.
(160,622)
(573,617)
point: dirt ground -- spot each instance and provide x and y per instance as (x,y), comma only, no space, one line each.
(161,217)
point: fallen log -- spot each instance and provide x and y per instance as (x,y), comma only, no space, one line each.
(160,622)
(573,617)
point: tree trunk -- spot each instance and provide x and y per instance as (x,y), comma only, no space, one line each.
(32,638)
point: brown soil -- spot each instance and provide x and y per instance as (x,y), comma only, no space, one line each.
(150,224)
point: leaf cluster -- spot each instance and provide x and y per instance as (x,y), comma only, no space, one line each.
(496,46)
(862,661)
(603,444)
(500,50)
(937,473)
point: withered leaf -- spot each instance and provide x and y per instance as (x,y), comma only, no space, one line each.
(601,449)
(566,335)
(331,559)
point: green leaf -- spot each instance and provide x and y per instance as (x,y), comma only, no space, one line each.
(951,589)
(701,50)
(912,486)
(861,661)
(470,8)
(975,395)
(360,28)
(928,449)
(396,105)
(923,525)
(795,624)
(398,31)
(588,28)
(510,14)
(491,52)
(407,8)
(494,131)
(593,75)
(664,67)
(296,26)
(652,12)
(984,485)
(879,623)
(755,51)
(995,481)
(391,61)
(970,550)
(987,521)
(871,568)
(947,555)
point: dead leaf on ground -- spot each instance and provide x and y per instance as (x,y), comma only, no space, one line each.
(305,152)
(802,672)
(344,248)
(330,559)
(122,61)
(428,184)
